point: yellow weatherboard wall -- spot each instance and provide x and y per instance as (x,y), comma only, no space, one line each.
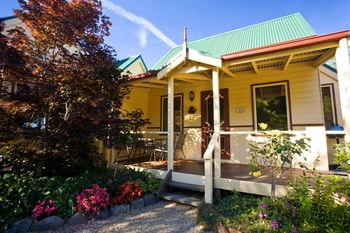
(305,100)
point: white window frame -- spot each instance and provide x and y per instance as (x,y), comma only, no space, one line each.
(165,98)
(286,88)
(331,88)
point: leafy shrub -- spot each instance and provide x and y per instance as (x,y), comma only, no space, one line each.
(208,216)
(128,192)
(249,213)
(20,194)
(149,185)
(316,204)
(44,209)
(239,210)
(342,154)
(326,207)
(148,182)
(92,201)
(275,151)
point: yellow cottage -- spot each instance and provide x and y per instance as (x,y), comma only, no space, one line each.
(214,92)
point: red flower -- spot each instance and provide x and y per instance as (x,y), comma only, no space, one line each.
(92,201)
(44,209)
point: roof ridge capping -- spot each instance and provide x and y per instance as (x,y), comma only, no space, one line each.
(296,14)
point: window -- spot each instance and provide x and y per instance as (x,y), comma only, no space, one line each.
(328,105)
(271,106)
(177,113)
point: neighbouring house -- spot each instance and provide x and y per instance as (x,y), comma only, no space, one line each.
(133,65)
(217,89)
(9,23)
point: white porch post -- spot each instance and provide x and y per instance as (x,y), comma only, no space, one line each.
(318,148)
(170,123)
(217,123)
(343,70)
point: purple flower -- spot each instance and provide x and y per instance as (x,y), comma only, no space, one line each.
(264,205)
(275,224)
(262,215)
(294,212)
(296,231)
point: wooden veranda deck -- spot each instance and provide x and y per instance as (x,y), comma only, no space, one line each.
(228,170)
(233,176)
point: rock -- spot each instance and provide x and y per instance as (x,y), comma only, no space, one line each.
(103,215)
(233,230)
(149,199)
(220,228)
(137,204)
(77,218)
(49,223)
(119,209)
(20,226)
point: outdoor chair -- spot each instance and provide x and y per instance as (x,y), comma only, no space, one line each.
(142,146)
(161,147)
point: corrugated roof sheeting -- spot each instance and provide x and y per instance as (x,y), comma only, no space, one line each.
(278,30)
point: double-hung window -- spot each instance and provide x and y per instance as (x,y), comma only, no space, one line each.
(271,106)
(328,101)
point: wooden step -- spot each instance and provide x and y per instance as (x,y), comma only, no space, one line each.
(186,200)
(193,187)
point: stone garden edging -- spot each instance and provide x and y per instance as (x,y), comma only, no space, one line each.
(54,222)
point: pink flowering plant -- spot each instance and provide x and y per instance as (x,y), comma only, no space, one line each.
(93,200)
(44,209)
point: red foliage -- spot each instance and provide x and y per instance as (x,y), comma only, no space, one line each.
(128,192)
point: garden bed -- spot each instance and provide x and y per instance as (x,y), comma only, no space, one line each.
(40,203)
(314,205)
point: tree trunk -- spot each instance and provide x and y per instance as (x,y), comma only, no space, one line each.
(39,168)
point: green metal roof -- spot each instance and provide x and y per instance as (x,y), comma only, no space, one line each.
(7,18)
(278,30)
(331,65)
(126,62)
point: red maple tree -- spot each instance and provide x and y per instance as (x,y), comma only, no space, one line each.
(77,88)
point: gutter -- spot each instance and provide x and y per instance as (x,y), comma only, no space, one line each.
(306,41)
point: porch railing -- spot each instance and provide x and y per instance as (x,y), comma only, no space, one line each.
(318,147)
(208,168)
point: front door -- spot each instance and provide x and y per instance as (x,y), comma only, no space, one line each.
(207,121)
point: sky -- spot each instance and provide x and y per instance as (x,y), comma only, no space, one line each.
(152,27)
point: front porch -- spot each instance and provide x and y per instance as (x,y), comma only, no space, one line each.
(215,103)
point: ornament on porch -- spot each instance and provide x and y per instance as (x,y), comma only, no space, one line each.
(191,95)
(191,110)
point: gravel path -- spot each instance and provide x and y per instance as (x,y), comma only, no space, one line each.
(164,217)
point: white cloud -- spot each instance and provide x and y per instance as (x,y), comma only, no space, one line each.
(142,35)
(140,21)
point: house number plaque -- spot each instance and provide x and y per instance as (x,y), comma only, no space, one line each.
(239,109)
